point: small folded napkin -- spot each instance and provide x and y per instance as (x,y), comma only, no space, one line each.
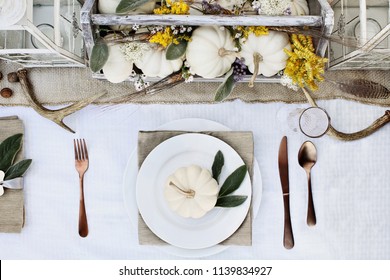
(241,141)
(12,201)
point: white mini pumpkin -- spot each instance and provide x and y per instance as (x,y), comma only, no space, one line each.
(117,68)
(229,4)
(265,54)
(109,7)
(299,7)
(191,191)
(154,63)
(211,51)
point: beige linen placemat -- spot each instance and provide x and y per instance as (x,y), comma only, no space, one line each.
(240,141)
(12,201)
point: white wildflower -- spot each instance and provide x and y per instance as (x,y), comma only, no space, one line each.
(135,26)
(189,29)
(146,84)
(273,7)
(189,79)
(134,51)
(175,32)
(255,5)
(133,74)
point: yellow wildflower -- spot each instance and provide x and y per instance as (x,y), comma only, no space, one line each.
(257,30)
(164,38)
(173,7)
(304,67)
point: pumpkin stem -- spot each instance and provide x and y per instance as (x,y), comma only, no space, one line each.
(257,58)
(223,52)
(189,194)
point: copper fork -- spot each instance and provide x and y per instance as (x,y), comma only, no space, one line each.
(81,158)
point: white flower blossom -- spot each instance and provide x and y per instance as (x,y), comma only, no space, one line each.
(189,79)
(288,82)
(135,26)
(273,7)
(134,51)
(255,5)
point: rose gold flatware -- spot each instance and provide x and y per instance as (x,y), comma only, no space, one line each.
(307,158)
(82,162)
(288,238)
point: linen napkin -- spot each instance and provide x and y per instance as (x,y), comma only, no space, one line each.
(240,141)
(12,201)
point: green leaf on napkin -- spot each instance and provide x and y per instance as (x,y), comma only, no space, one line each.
(226,88)
(218,163)
(128,5)
(233,182)
(8,150)
(231,200)
(99,55)
(18,169)
(175,51)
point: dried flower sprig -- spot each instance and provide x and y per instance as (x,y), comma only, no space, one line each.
(239,69)
(304,67)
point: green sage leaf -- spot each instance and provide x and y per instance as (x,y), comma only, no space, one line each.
(18,169)
(218,163)
(233,182)
(230,200)
(125,6)
(175,51)
(226,88)
(99,55)
(8,150)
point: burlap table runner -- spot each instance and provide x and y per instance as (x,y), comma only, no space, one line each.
(242,142)
(12,201)
(55,86)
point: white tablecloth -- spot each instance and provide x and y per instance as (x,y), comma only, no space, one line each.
(351,184)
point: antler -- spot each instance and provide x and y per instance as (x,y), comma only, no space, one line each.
(58,115)
(381,121)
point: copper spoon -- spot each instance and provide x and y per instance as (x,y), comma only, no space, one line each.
(307,158)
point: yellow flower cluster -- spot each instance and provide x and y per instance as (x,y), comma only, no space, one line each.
(304,67)
(173,7)
(257,30)
(166,37)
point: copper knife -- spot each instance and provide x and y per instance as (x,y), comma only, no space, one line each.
(288,238)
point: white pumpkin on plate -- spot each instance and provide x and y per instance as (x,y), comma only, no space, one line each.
(117,68)
(265,54)
(191,191)
(211,51)
(154,63)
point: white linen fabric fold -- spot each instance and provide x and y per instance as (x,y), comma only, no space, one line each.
(350,184)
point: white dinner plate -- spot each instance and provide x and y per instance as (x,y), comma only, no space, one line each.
(130,177)
(180,151)
(12,11)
